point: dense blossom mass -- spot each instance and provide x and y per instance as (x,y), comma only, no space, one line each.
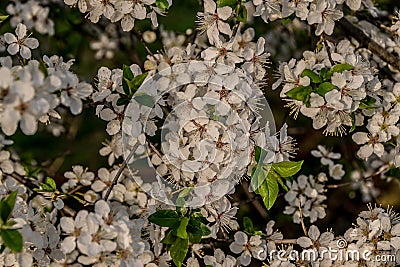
(190,133)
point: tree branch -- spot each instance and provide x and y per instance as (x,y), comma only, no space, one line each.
(365,41)
(121,169)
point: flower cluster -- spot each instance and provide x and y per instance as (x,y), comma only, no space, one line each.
(32,14)
(124,11)
(189,124)
(31,93)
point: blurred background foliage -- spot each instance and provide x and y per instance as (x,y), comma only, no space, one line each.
(84,135)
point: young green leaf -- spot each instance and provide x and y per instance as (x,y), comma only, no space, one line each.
(7,206)
(196,227)
(367,103)
(3,18)
(353,122)
(287,168)
(288,20)
(300,93)
(312,75)
(338,68)
(12,239)
(162,4)
(324,88)
(180,231)
(269,189)
(169,238)
(144,99)
(259,175)
(322,73)
(241,13)
(194,239)
(50,182)
(127,76)
(279,179)
(122,101)
(248,224)
(178,250)
(259,154)
(165,218)
(231,3)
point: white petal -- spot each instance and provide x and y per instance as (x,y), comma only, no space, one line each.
(20,31)
(240,238)
(13,48)
(360,138)
(10,38)
(101,207)
(25,52)
(305,242)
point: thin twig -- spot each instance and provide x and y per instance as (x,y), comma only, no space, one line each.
(328,51)
(256,203)
(121,169)
(301,218)
(30,185)
(246,201)
(381,170)
(139,35)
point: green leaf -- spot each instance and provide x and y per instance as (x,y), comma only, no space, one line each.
(367,103)
(312,75)
(259,173)
(199,217)
(127,76)
(353,122)
(178,250)
(196,227)
(7,206)
(194,239)
(180,201)
(144,99)
(288,20)
(50,182)
(338,68)
(231,3)
(169,238)
(185,192)
(279,179)
(322,73)
(324,88)
(12,239)
(127,72)
(165,218)
(162,4)
(301,93)
(180,231)
(3,18)
(287,168)
(269,189)
(241,13)
(42,67)
(257,153)
(46,188)
(10,223)
(132,85)
(137,82)
(248,224)
(122,101)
